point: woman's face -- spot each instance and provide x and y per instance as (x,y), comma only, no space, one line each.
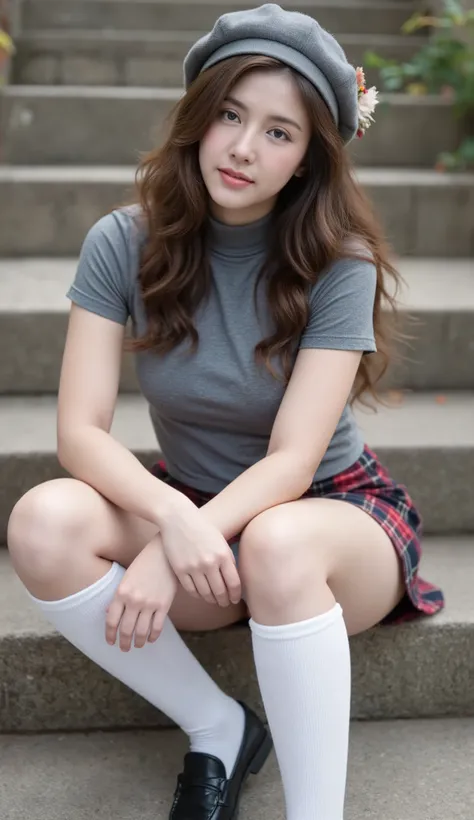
(262,132)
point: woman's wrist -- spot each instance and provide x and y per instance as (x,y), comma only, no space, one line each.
(156,545)
(173,508)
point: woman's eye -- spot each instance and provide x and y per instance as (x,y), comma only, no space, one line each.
(230,115)
(278,131)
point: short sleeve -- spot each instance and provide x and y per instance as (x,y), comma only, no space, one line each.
(102,280)
(342,306)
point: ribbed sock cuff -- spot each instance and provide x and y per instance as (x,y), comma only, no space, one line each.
(299,629)
(83,594)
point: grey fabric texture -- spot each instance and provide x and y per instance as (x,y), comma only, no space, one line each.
(213,411)
(297,40)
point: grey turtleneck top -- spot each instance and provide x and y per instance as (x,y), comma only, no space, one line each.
(213,411)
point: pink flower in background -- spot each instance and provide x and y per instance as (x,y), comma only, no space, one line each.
(360,77)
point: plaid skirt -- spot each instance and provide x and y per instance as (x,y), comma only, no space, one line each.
(368,485)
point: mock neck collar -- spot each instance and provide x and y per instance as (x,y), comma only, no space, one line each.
(239,240)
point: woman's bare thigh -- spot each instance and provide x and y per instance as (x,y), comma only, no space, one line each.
(62,525)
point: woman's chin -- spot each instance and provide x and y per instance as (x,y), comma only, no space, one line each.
(223,204)
(230,199)
(237,208)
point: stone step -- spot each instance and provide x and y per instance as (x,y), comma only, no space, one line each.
(412,670)
(56,125)
(361,16)
(439,295)
(133,774)
(426,440)
(425,213)
(152,58)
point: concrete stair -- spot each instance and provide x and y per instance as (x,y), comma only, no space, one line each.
(438,296)
(51,207)
(149,58)
(338,16)
(57,125)
(413,670)
(425,439)
(410,770)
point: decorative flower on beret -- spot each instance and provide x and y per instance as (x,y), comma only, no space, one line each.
(367,100)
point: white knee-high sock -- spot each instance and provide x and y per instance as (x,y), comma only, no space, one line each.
(166,673)
(304,674)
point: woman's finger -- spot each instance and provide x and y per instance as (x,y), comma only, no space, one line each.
(188,585)
(112,621)
(156,629)
(127,627)
(142,628)
(218,587)
(202,586)
(232,579)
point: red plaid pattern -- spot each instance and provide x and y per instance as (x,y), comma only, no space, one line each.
(368,485)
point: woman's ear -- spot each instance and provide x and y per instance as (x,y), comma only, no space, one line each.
(300,172)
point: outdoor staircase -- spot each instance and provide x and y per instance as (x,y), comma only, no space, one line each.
(90,86)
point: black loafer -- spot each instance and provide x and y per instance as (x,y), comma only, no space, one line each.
(204,792)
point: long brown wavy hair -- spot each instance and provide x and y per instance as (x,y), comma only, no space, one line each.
(315,221)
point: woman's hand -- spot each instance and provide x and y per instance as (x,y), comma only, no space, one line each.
(142,599)
(200,556)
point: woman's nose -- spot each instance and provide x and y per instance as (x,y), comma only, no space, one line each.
(244,148)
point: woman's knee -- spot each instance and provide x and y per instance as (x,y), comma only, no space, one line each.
(46,522)
(268,564)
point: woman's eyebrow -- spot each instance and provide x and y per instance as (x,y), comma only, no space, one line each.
(278,117)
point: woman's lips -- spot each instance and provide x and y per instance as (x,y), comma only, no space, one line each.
(234,182)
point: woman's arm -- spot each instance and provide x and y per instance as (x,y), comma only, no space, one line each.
(314,400)
(87,396)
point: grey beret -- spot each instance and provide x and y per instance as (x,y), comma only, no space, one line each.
(298,41)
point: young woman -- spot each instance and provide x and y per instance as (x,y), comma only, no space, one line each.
(254,273)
